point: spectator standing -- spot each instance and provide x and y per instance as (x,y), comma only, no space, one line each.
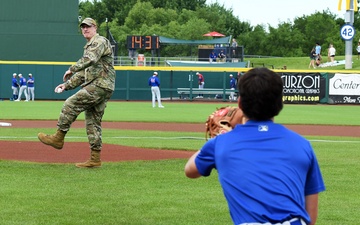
(221,56)
(154,83)
(95,73)
(14,87)
(268,173)
(358,50)
(232,87)
(31,87)
(201,82)
(318,51)
(332,52)
(234,45)
(23,88)
(312,58)
(212,57)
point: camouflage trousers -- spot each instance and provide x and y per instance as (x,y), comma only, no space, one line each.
(92,101)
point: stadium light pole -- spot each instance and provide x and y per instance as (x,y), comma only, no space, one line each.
(351,6)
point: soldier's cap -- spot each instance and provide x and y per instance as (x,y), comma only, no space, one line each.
(155,73)
(88,21)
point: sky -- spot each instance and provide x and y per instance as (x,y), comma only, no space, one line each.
(257,12)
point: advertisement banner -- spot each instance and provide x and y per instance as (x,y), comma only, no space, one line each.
(303,88)
(344,88)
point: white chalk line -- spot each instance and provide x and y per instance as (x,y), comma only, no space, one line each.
(170,138)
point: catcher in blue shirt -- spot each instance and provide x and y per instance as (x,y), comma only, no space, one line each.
(268,173)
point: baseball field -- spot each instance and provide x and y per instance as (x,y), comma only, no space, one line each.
(144,153)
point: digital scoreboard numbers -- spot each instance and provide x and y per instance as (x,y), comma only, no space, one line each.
(143,42)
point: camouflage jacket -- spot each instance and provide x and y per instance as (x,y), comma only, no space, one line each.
(96,66)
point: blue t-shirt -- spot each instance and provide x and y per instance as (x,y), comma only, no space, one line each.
(232,83)
(22,81)
(31,82)
(265,170)
(154,81)
(14,82)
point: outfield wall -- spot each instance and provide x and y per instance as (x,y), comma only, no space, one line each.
(305,87)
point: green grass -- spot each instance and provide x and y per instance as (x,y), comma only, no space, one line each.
(186,112)
(157,192)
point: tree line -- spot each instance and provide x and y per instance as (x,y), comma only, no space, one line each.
(190,19)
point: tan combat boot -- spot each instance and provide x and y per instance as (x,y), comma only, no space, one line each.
(94,161)
(55,140)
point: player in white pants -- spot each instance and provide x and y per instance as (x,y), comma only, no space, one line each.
(31,87)
(23,88)
(14,87)
(154,82)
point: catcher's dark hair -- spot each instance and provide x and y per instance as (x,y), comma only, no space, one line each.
(261,93)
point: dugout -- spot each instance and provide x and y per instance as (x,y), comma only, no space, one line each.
(205,47)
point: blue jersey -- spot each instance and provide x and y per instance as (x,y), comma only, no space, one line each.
(154,81)
(232,83)
(31,82)
(22,81)
(14,82)
(265,171)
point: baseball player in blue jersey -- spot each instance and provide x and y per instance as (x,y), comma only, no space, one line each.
(31,87)
(23,88)
(14,87)
(268,173)
(154,83)
(232,87)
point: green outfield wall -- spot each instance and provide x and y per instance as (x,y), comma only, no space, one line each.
(305,87)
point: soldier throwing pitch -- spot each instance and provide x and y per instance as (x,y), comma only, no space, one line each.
(95,73)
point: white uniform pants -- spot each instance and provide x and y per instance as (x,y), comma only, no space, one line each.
(155,92)
(232,94)
(31,93)
(15,90)
(23,89)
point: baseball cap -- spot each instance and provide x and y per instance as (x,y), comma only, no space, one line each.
(14,74)
(20,75)
(155,73)
(197,73)
(230,75)
(30,74)
(88,21)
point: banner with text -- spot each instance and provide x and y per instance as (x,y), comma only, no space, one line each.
(344,88)
(303,87)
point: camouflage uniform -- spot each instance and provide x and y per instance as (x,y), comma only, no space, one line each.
(95,73)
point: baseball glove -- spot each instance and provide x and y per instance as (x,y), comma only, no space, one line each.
(222,120)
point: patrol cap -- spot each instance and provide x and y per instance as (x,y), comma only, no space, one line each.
(88,21)
(155,73)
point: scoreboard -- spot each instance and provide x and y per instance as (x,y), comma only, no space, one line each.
(143,42)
